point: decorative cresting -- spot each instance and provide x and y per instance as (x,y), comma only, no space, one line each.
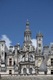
(27,34)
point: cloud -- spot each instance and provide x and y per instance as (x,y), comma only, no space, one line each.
(34,43)
(7,40)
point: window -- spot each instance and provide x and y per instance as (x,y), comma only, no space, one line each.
(39,39)
(39,45)
(45,72)
(51,48)
(39,51)
(10,72)
(14,62)
(30,70)
(2,44)
(10,62)
(51,61)
(24,70)
(52,72)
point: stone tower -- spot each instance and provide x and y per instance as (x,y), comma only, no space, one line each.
(2,55)
(39,38)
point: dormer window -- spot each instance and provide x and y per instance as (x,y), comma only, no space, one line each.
(10,62)
(39,51)
(2,44)
(51,61)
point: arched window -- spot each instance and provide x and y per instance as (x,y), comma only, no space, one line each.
(24,71)
(30,70)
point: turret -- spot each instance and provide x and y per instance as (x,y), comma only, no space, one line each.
(2,55)
(2,50)
(39,38)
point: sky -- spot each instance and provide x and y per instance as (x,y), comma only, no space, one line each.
(14,14)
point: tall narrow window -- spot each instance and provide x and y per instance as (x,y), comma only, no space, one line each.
(10,72)
(2,45)
(10,62)
(39,45)
(30,70)
(39,51)
(52,72)
(51,61)
(24,70)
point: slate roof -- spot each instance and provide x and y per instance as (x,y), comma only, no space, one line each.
(43,66)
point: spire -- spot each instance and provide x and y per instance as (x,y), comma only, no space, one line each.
(27,27)
(27,33)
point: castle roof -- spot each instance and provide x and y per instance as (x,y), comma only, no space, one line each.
(39,35)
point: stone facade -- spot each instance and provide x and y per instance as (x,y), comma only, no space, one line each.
(26,60)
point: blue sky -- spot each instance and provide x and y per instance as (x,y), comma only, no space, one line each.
(14,14)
